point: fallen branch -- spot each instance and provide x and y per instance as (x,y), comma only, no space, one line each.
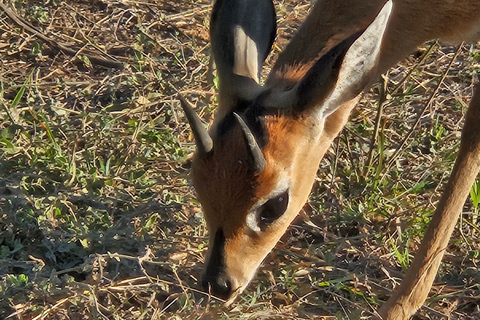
(24,24)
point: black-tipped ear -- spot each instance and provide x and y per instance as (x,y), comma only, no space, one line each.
(339,76)
(242,34)
(322,77)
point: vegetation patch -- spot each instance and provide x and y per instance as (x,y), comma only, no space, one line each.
(97,217)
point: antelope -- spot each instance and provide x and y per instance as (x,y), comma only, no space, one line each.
(254,169)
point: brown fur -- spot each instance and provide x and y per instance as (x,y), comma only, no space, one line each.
(418,281)
(223,182)
(412,23)
(227,189)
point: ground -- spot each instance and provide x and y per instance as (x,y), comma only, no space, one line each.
(99,221)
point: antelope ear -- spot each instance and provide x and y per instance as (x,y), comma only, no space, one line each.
(340,75)
(242,34)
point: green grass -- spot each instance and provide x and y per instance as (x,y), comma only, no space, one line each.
(98,219)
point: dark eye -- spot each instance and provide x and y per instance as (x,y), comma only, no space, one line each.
(273,209)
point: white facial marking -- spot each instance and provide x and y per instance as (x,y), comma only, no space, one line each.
(252,221)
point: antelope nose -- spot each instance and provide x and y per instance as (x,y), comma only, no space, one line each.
(219,286)
(216,280)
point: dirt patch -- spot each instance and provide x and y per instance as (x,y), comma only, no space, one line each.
(98,219)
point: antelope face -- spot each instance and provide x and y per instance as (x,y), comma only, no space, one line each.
(247,210)
(253,172)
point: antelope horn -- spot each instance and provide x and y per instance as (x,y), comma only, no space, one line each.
(258,159)
(203,141)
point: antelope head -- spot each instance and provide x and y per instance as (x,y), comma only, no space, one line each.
(254,170)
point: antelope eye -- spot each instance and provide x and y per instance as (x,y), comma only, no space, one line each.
(273,209)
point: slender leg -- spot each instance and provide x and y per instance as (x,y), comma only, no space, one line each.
(413,291)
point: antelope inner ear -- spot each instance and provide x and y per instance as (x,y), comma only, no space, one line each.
(338,76)
(241,33)
(320,80)
(317,84)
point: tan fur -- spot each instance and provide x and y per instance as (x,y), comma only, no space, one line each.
(418,281)
(227,195)
(412,23)
(296,144)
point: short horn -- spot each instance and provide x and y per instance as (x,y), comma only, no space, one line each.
(258,159)
(203,140)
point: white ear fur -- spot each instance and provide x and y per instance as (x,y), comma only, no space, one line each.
(359,64)
(241,35)
(338,76)
(246,55)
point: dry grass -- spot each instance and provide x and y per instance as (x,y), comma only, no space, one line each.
(98,219)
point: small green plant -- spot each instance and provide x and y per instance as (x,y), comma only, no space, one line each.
(19,280)
(435,136)
(475,196)
(402,255)
(38,13)
(37,49)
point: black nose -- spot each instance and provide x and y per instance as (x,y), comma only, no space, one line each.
(216,281)
(218,285)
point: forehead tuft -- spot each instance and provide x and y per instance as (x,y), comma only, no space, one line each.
(254,116)
(224,174)
(224,179)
